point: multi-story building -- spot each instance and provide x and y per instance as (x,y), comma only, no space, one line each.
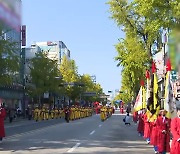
(56,50)
(10,22)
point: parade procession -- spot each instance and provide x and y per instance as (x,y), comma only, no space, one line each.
(157,118)
(94,76)
(69,113)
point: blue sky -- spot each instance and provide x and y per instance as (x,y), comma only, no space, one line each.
(86,29)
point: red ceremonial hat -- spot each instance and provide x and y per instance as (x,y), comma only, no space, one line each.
(147,74)
(168,65)
(153,67)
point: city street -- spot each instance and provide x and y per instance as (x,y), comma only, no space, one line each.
(88,135)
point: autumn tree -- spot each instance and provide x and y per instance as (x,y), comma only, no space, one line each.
(71,78)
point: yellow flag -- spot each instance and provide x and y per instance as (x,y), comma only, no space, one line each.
(155,90)
(144,98)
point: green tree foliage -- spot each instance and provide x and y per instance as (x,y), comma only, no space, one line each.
(69,72)
(44,72)
(145,18)
(9,60)
(142,22)
(90,86)
(134,59)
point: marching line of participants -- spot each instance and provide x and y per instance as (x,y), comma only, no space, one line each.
(105,113)
(74,113)
(155,129)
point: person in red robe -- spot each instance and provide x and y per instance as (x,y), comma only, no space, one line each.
(135,116)
(146,127)
(163,133)
(140,127)
(175,130)
(2,117)
(122,109)
(153,134)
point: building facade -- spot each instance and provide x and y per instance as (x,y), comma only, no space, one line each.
(56,50)
(10,22)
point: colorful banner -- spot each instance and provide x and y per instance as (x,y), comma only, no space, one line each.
(155,91)
(168,95)
(140,100)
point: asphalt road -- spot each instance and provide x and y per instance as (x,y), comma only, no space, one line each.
(88,135)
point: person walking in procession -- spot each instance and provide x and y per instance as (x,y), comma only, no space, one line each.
(2,117)
(140,127)
(175,130)
(163,133)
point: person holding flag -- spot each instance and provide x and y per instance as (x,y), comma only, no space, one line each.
(139,105)
(168,91)
(175,130)
(163,132)
(147,130)
(153,134)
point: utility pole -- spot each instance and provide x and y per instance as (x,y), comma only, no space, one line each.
(23,77)
(164,69)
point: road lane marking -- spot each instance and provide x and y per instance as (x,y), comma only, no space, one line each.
(74,147)
(92,132)
(100,125)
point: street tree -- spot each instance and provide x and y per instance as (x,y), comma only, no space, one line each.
(142,21)
(134,60)
(91,87)
(9,59)
(71,78)
(43,72)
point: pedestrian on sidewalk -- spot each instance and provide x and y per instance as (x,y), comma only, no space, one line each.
(175,130)
(2,117)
